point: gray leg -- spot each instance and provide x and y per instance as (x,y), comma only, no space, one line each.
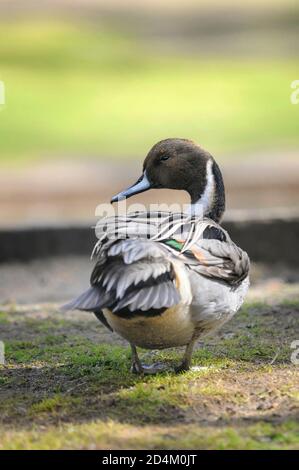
(138,368)
(186,362)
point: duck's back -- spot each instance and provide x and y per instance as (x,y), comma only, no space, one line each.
(159,276)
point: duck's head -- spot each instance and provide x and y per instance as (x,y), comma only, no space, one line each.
(182,164)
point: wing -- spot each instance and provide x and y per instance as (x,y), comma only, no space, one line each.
(201,244)
(212,254)
(218,260)
(134,273)
(130,277)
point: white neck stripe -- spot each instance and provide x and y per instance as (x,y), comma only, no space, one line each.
(204,203)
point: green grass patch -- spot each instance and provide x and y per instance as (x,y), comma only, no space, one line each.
(115,435)
(75,90)
(3,317)
(52,404)
(61,388)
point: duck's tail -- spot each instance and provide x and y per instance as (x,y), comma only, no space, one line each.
(89,301)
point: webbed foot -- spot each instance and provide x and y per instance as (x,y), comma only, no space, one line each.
(184,366)
(138,368)
(158,367)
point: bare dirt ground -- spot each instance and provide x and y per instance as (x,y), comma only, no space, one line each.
(66,382)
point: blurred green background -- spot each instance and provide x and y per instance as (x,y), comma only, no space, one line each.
(97,80)
(74,87)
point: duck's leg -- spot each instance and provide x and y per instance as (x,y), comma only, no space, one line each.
(138,368)
(186,361)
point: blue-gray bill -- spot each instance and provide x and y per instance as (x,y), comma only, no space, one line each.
(141,185)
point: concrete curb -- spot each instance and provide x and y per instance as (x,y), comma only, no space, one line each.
(273,240)
(269,241)
(24,244)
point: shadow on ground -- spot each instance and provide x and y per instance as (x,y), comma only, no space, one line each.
(66,384)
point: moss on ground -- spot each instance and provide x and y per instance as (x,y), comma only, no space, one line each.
(63,387)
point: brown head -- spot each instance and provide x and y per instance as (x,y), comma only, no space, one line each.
(182,164)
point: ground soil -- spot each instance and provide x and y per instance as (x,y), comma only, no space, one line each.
(66,381)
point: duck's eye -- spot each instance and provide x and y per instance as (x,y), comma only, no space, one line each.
(164,157)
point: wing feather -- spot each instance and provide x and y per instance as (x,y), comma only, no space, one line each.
(136,253)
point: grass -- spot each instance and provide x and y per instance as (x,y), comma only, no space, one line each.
(73,90)
(266,436)
(66,384)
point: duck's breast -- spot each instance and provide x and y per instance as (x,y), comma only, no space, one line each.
(173,327)
(214,302)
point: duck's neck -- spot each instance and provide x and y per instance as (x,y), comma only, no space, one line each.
(209,202)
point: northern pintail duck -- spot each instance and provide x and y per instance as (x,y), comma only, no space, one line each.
(165,279)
